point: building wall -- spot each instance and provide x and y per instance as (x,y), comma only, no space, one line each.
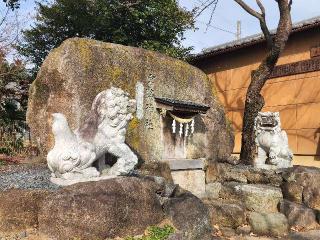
(296,97)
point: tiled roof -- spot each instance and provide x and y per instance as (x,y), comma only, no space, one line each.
(251,40)
(182,104)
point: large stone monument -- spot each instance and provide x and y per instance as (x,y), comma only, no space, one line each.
(178,117)
(272,142)
(103,132)
(76,72)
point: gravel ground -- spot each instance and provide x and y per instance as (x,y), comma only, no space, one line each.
(25,176)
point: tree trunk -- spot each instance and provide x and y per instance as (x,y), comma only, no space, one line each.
(254,100)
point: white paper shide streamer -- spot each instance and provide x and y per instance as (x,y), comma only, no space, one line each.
(186,126)
(192,126)
(186,129)
(181,129)
(174,126)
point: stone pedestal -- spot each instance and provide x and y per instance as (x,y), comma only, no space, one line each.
(189,174)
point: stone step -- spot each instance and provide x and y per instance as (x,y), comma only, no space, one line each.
(191,180)
(186,164)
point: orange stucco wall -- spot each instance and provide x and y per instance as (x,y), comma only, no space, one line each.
(296,97)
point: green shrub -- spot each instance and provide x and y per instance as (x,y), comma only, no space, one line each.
(155,233)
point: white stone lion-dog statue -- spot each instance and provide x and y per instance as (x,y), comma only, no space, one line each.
(74,153)
(272,142)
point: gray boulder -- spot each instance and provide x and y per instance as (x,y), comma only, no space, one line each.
(311,197)
(270,224)
(304,176)
(226,214)
(260,198)
(189,215)
(19,209)
(225,172)
(229,191)
(292,191)
(213,190)
(302,185)
(120,207)
(99,210)
(299,216)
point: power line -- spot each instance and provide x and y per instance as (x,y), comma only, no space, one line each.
(218,28)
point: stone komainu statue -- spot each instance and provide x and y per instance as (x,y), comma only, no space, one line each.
(104,131)
(272,142)
(114,110)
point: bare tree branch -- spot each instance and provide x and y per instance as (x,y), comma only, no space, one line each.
(261,17)
(266,33)
(10,30)
(211,16)
(263,11)
(4,17)
(263,24)
(205,6)
(248,9)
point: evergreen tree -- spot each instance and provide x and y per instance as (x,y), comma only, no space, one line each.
(152,24)
(12,4)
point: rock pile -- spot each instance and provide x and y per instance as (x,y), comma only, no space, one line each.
(119,207)
(301,189)
(240,201)
(243,199)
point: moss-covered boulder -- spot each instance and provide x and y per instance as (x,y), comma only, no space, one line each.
(74,73)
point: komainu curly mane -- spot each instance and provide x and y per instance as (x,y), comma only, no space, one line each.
(272,142)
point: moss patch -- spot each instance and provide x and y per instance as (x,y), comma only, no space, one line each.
(85,52)
(155,233)
(133,133)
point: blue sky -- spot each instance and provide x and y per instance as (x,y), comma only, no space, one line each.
(228,13)
(226,16)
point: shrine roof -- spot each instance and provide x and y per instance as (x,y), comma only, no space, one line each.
(180,105)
